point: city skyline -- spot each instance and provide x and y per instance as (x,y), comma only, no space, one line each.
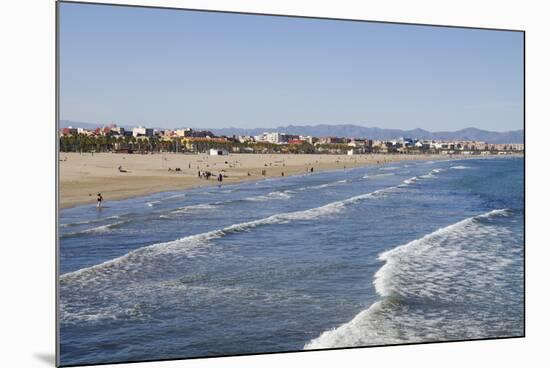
(171,69)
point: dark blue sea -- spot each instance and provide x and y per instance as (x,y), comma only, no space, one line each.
(400,253)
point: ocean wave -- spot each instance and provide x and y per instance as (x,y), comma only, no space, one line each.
(124,273)
(161,200)
(410,181)
(332,184)
(193,240)
(384,278)
(194,208)
(439,287)
(460,167)
(86,222)
(377,175)
(325,185)
(432,173)
(270,196)
(94,230)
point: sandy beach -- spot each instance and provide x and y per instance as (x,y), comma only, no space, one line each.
(82,176)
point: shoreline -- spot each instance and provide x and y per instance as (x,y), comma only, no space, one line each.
(82,176)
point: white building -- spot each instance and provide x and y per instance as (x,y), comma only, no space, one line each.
(182,132)
(142,131)
(245,138)
(218,152)
(273,137)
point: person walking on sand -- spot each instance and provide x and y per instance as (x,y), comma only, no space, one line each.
(99,200)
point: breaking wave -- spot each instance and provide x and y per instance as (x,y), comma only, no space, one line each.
(94,230)
(79,223)
(159,201)
(377,175)
(273,195)
(443,286)
(129,270)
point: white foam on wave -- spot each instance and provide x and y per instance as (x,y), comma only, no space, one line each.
(95,230)
(384,280)
(270,196)
(377,175)
(460,167)
(447,266)
(85,222)
(390,168)
(280,218)
(431,174)
(329,184)
(169,198)
(194,208)
(132,268)
(325,185)
(410,181)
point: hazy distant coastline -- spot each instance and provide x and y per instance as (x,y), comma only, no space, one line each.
(353,131)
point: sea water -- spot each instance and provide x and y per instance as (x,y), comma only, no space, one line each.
(399,253)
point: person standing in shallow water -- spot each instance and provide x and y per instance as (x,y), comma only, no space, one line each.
(99,200)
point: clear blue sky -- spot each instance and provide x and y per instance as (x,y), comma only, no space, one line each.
(171,68)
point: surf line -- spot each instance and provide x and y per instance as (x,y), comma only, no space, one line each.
(202,238)
(384,286)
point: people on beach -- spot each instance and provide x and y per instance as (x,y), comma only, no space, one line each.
(99,200)
(204,174)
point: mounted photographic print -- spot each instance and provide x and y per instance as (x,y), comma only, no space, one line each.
(236,184)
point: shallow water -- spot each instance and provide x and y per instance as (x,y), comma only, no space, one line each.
(422,251)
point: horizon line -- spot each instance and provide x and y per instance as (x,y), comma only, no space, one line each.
(155,126)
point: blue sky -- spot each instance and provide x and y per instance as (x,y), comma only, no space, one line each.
(171,68)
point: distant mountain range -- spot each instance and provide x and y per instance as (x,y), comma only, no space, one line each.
(348,130)
(356,131)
